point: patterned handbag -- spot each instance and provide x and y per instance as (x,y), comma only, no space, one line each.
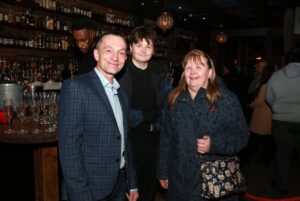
(221,178)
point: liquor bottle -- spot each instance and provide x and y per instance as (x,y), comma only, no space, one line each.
(11,18)
(27,17)
(1,16)
(5,17)
(23,18)
(31,19)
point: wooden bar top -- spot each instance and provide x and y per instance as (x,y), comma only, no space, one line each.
(29,138)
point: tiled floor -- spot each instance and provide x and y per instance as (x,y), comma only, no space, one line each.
(16,176)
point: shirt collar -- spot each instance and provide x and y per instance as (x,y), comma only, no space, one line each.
(106,83)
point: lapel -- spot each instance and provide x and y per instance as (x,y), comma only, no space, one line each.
(100,92)
(97,86)
(124,104)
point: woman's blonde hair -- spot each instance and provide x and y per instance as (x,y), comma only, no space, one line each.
(213,92)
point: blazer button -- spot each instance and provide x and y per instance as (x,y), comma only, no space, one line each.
(117,160)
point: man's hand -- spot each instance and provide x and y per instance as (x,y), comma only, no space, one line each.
(133,195)
(164,183)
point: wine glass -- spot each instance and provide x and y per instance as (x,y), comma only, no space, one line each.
(8,108)
(36,110)
(52,112)
(55,110)
(21,113)
(45,97)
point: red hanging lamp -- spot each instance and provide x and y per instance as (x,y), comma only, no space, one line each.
(222,38)
(165,20)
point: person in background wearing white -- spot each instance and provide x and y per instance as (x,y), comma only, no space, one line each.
(283,95)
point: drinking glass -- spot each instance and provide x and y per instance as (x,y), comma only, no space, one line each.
(55,110)
(36,110)
(45,99)
(52,112)
(8,108)
(21,113)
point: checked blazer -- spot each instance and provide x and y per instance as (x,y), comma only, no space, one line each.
(89,141)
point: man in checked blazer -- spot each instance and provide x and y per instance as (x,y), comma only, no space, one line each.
(94,152)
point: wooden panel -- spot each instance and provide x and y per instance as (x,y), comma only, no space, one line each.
(46,174)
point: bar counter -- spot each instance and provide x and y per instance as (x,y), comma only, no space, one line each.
(28,138)
(45,157)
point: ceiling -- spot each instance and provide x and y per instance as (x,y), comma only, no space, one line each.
(209,14)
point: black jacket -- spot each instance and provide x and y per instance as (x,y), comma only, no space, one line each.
(158,81)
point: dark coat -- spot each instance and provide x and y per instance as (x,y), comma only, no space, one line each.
(179,160)
(160,85)
(89,140)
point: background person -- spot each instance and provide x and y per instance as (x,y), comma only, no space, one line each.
(233,80)
(204,122)
(260,124)
(283,95)
(94,152)
(83,31)
(253,88)
(255,83)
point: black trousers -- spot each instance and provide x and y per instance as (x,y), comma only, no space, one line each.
(145,154)
(262,147)
(119,190)
(287,140)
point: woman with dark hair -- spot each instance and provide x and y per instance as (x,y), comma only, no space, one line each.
(203,122)
(260,123)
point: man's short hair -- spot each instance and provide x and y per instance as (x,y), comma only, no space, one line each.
(83,24)
(100,40)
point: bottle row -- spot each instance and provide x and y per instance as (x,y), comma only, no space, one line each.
(81,9)
(63,7)
(28,70)
(55,43)
(26,18)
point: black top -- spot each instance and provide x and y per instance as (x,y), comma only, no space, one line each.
(145,90)
(86,62)
(143,93)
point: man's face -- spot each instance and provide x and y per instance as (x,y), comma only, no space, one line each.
(110,55)
(83,39)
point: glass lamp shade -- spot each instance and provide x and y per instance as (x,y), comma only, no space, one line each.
(221,37)
(165,21)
